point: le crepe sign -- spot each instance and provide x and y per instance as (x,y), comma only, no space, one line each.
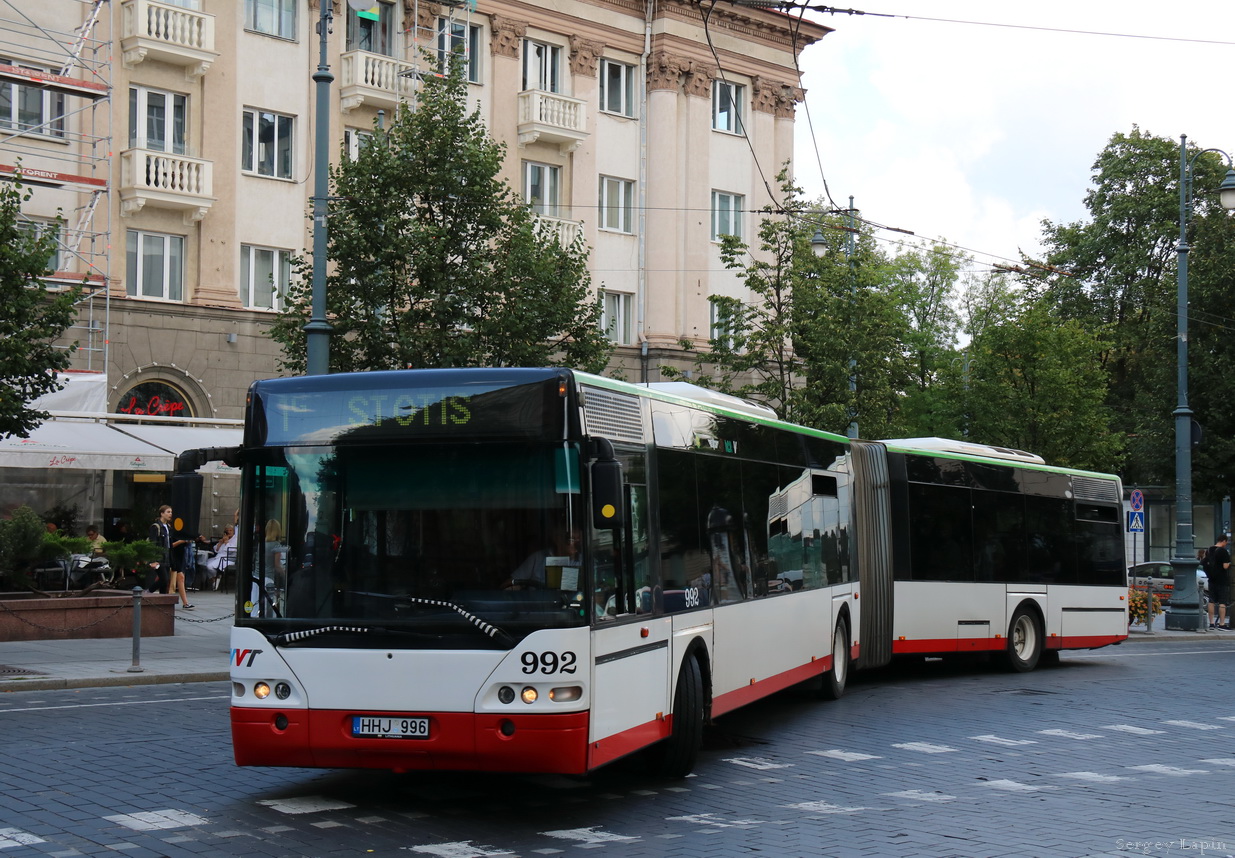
(155,400)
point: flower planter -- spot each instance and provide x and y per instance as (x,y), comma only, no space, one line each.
(101,614)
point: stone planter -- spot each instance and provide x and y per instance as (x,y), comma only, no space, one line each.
(101,614)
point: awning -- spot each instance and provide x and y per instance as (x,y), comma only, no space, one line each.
(82,445)
(177,439)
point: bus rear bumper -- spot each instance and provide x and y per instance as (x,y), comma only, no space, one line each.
(458,741)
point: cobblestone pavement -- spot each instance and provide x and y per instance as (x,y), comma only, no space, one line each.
(1124,751)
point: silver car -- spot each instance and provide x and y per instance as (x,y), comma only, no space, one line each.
(1160,577)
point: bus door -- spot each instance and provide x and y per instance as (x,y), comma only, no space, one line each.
(630,644)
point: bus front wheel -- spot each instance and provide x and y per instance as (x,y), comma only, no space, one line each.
(675,757)
(1024,642)
(834,680)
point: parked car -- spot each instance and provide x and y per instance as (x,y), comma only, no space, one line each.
(1161,579)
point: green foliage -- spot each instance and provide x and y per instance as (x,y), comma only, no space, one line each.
(1139,606)
(32,320)
(129,556)
(21,544)
(435,262)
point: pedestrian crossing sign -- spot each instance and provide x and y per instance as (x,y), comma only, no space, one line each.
(1136,522)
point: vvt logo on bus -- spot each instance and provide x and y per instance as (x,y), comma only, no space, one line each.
(244,657)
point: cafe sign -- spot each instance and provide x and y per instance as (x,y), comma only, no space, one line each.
(155,399)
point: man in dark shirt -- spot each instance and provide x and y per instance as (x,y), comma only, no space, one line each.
(1218,567)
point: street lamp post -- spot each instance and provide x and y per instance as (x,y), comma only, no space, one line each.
(317,331)
(819,246)
(1185,607)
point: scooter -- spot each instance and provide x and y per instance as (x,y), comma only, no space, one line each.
(86,569)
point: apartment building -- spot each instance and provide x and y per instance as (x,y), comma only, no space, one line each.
(176,137)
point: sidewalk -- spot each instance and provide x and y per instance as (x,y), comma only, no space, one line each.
(198,652)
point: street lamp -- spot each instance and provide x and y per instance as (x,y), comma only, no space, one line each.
(819,247)
(1185,608)
(317,331)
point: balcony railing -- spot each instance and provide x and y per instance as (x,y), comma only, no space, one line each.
(181,37)
(374,79)
(566,230)
(552,118)
(166,181)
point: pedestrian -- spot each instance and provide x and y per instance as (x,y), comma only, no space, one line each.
(1218,568)
(158,579)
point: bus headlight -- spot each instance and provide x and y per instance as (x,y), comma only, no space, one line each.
(261,691)
(506,694)
(529,695)
(282,690)
(566,694)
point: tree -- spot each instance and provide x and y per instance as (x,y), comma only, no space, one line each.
(436,263)
(33,317)
(1121,263)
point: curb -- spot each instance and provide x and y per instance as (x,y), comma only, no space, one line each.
(60,684)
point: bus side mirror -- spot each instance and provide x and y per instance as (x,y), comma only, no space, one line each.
(608,499)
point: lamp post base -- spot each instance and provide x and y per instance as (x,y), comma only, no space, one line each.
(1184,612)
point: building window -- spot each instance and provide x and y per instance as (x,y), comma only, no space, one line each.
(541,65)
(615,320)
(617,88)
(617,204)
(272,17)
(372,29)
(720,325)
(726,214)
(727,106)
(38,228)
(264,276)
(541,188)
(267,144)
(31,108)
(155,265)
(354,139)
(158,120)
(458,37)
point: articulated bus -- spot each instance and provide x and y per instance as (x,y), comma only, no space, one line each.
(540,570)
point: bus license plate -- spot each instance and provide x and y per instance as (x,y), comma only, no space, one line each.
(373,727)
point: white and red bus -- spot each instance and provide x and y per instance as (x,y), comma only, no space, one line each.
(540,570)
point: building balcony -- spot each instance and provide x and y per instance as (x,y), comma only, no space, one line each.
(171,34)
(165,181)
(552,118)
(566,230)
(374,79)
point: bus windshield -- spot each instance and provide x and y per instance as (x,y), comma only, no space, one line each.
(435,544)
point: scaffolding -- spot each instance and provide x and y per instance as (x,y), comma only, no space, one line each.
(58,135)
(435,29)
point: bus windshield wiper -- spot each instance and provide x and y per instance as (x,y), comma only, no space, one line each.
(485,628)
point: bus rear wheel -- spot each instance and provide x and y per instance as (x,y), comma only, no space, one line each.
(675,757)
(835,679)
(1024,642)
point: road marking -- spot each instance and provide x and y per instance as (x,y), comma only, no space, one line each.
(847,756)
(1195,725)
(1068,734)
(1221,761)
(1136,731)
(588,835)
(458,849)
(918,795)
(925,748)
(1015,786)
(157,820)
(1093,776)
(10,837)
(998,740)
(714,820)
(305,804)
(1174,771)
(116,703)
(823,807)
(758,763)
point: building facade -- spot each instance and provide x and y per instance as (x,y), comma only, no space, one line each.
(176,137)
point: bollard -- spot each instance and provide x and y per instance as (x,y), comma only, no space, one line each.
(137,631)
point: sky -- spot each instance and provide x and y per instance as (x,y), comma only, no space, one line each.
(975,134)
